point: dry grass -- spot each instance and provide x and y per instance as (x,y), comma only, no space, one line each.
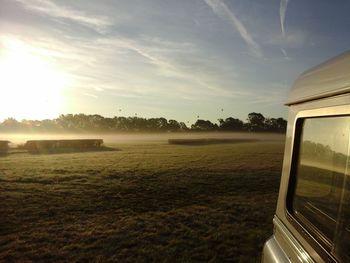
(149,202)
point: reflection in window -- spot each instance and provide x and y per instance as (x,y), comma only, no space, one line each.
(321,202)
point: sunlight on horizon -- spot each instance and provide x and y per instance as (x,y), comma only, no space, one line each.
(31,86)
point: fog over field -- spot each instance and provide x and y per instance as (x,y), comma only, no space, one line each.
(145,201)
(122,138)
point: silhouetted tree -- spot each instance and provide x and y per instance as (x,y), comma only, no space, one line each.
(230,124)
(183,126)
(256,121)
(173,125)
(275,125)
(98,123)
(11,124)
(204,125)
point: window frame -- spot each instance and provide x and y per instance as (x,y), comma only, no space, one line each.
(318,242)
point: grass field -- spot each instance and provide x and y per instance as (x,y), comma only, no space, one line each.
(145,202)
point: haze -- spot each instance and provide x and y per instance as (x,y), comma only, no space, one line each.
(137,138)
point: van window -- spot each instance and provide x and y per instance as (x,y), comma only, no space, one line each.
(320,199)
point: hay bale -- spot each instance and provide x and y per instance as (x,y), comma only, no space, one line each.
(4,146)
(58,145)
(206,141)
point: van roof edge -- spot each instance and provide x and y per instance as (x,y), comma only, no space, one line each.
(325,80)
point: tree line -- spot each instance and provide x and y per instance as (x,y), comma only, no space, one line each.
(98,123)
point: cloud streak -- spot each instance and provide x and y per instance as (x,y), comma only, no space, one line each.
(271,96)
(221,10)
(49,8)
(178,61)
(283,11)
(284,52)
(91,63)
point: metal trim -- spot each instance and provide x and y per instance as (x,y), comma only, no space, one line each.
(294,244)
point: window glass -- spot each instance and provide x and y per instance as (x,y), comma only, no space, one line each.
(320,202)
(342,234)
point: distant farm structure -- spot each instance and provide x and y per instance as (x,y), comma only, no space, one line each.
(36,146)
(207,141)
(4,146)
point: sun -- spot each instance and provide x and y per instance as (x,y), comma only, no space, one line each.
(30,86)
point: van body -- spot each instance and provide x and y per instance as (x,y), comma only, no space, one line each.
(312,218)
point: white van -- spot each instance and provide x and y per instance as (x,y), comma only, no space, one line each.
(312,219)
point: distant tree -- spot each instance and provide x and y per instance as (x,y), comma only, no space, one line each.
(281,124)
(66,121)
(270,124)
(134,123)
(157,124)
(256,121)
(162,124)
(152,124)
(275,125)
(46,125)
(204,125)
(173,125)
(230,124)
(183,126)
(121,124)
(11,124)
(97,123)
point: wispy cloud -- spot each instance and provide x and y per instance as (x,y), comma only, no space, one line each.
(273,96)
(49,8)
(220,9)
(294,39)
(178,61)
(171,69)
(93,63)
(90,95)
(284,52)
(283,11)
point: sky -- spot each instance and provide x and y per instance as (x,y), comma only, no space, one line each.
(183,59)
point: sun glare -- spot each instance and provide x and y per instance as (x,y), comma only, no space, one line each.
(30,86)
